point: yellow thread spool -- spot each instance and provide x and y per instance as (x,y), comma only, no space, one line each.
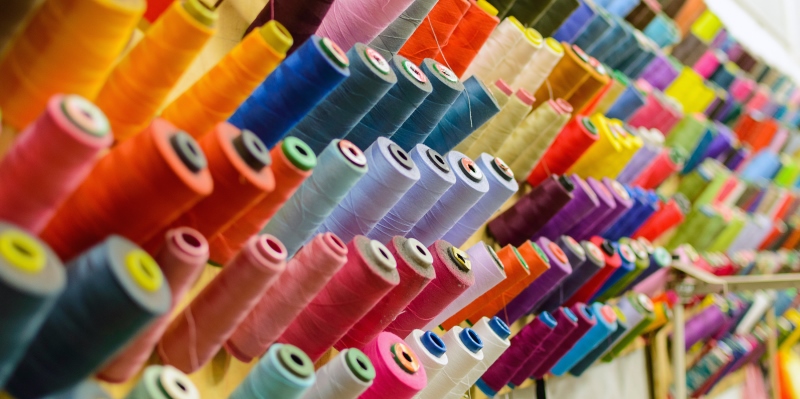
(69,46)
(630,145)
(593,163)
(690,90)
(794,316)
(706,27)
(144,270)
(217,94)
(141,82)
(22,251)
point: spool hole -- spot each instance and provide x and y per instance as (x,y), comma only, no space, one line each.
(21,249)
(274,245)
(422,250)
(338,241)
(407,357)
(301,150)
(362,364)
(297,360)
(439,158)
(473,335)
(383,252)
(191,240)
(403,155)
(181,386)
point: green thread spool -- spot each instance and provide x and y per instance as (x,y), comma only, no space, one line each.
(691,226)
(789,173)
(164,382)
(693,184)
(701,239)
(721,175)
(687,132)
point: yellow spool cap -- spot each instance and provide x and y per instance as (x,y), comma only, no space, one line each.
(516,22)
(144,270)
(554,45)
(534,36)
(490,9)
(200,12)
(277,36)
(22,251)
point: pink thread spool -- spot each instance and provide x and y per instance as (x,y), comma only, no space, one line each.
(708,63)
(369,274)
(305,276)
(51,157)
(199,331)
(398,372)
(415,266)
(453,276)
(181,259)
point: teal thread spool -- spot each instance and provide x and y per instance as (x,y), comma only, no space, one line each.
(285,372)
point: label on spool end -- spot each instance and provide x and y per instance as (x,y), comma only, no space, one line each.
(22,251)
(405,358)
(85,115)
(437,160)
(295,361)
(502,169)
(176,384)
(334,52)
(638,249)
(144,270)
(352,153)
(377,60)
(414,71)
(445,72)
(470,169)
(460,258)
(359,364)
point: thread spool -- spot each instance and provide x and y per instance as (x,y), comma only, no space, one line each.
(659,259)
(393,37)
(157,176)
(430,349)
(597,27)
(524,163)
(653,146)
(629,101)
(120,288)
(584,202)
(644,313)
(181,259)
(544,118)
(453,269)
(574,139)
(667,163)
(576,255)
(589,358)
(346,376)
(307,273)
(584,229)
(217,94)
(554,17)
(498,129)
(586,320)
(322,64)
(494,335)
(627,266)
(57,151)
(500,43)
(762,302)
(469,36)
(285,371)
(623,201)
(646,204)
(576,22)
(528,12)
(163,382)
(617,83)
(446,90)
(697,327)
(640,264)
(32,279)
(662,30)
(434,31)
(392,174)
(581,274)
(370,79)
(85,389)
(464,352)
(415,266)
(397,368)
(538,69)
(501,93)
(301,19)
(612,262)
(342,16)
(566,322)
(515,60)
(606,325)
(371,271)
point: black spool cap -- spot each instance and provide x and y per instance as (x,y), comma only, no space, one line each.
(401,156)
(188,151)
(252,150)
(607,248)
(470,169)
(438,160)
(502,169)
(566,182)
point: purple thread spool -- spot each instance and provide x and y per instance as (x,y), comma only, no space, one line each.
(532,212)
(722,144)
(567,321)
(640,161)
(542,286)
(584,202)
(583,229)
(701,326)
(586,320)
(623,201)
(523,344)
(576,256)
(736,158)
(582,272)
(660,72)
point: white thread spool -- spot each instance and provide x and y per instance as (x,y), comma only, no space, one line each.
(539,67)
(502,93)
(346,376)
(762,302)
(500,127)
(512,64)
(494,333)
(431,351)
(488,272)
(499,44)
(464,353)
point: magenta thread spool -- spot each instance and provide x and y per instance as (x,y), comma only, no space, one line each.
(584,229)
(584,202)
(567,322)
(700,327)
(581,273)
(586,320)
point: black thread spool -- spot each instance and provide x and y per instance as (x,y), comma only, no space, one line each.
(529,11)
(31,279)
(689,50)
(85,390)
(554,16)
(642,15)
(114,290)
(502,6)
(300,17)
(672,7)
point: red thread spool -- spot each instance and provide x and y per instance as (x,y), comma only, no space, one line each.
(612,263)
(305,276)
(667,163)
(435,30)
(181,259)
(198,332)
(155,8)
(142,185)
(762,137)
(454,275)
(50,159)
(415,266)
(239,164)
(576,137)
(467,39)
(369,274)
(669,216)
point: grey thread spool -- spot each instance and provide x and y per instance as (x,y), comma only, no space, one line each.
(85,390)
(389,42)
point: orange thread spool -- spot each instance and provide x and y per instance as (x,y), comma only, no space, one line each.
(68,46)
(569,74)
(155,8)
(469,36)
(217,94)
(435,31)
(136,190)
(592,87)
(143,79)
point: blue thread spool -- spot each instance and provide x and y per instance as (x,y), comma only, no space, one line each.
(298,84)
(370,78)
(764,165)
(638,50)
(606,325)
(31,279)
(285,372)
(621,8)
(86,389)
(598,27)
(446,89)
(392,111)
(699,152)
(114,290)
(640,201)
(662,30)
(628,265)
(589,358)
(474,107)
(602,46)
(576,23)
(626,104)
(623,48)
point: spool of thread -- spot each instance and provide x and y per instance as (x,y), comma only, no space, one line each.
(453,269)
(534,151)
(628,102)
(342,16)
(584,228)
(762,302)
(696,220)
(538,69)
(217,94)
(181,259)
(576,23)
(415,266)
(430,349)
(464,352)
(554,17)
(370,271)
(115,290)
(133,94)
(574,139)
(370,79)
(494,335)
(640,264)
(586,320)
(597,27)
(392,173)
(527,11)
(582,272)
(224,303)
(397,368)
(687,133)
(667,163)
(697,328)
(584,202)
(285,372)
(514,61)
(157,176)
(488,270)
(163,382)
(660,258)
(502,41)
(606,325)
(612,262)
(32,280)
(471,185)
(544,117)
(393,37)
(576,255)
(567,322)
(307,273)
(322,64)
(623,201)
(573,79)
(57,151)
(646,204)
(469,36)
(346,376)
(433,33)
(653,146)
(588,359)
(85,389)
(643,308)
(627,266)
(501,93)
(30,74)
(498,129)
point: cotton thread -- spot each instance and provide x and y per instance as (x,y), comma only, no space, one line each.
(284,372)
(346,376)
(351,21)
(391,40)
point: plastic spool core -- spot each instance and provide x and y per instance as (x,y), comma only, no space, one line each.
(662,257)
(471,340)
(352,153)
(22,251)
(620,190)
(437,160)
(626,253)
(85,115)
(377,60)
(493,254)
(414,71)
(460,258)
(401,156)
(405,358)
(548,319)
(445,72)
(646,244)
(470,169)
(607,247)
(252,150)
(558,252)
(566,183)
(382,255)
(499,327)
(589,126)
(144,270)
(277,36)
(190,241)
(418,252)
(176,384)
(574,246)
(299,153)
(433,343)
(334,52)
(541,253)
(608,314)
(593,251)
(570,315)
(360,365)
(200,12)
(502,169)
(295,361)
(646,303)
(638,249)
(188,151)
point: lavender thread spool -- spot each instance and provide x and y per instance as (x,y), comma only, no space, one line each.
(581,273)
(622,200)
(700,327)
(584,202)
